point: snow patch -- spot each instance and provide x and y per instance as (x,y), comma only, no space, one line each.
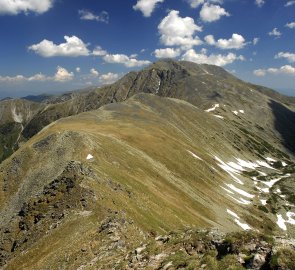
(229,170)
(240,191)
(290,219)
(18,118)
(158,88)
(89,157)
(247,164)
(213,108)
(270,159)
(281,222)
(244,226)
(284,164)
(242,111)
(237,220)
(194,155)
(232,213)
(272,182)
(219,116)
(227,190)
(241,201)
(264,190)
(235,112)
(263,202)
(264,164)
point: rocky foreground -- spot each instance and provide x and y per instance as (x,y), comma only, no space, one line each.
(201,249)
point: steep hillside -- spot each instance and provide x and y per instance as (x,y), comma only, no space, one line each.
(88,190)
(14,116)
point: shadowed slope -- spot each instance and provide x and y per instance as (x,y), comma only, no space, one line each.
(284,124)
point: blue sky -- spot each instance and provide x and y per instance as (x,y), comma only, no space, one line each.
(52,46)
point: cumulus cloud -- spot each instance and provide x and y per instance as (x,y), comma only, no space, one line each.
(255,41)
(235,42)
(73,47)
(259,72)
(94,72)
(14,7)
(147,6)
(259,3)
(89,16)
(275,32)
(108,78)
(211,13)
(98,51)
(125,60)
(78,69)
(213,59)
(196,3)
(290,25)
(284,70)
(177,31)
(287,55)
(20,78)
(290,3)
(167,53)
(61,75)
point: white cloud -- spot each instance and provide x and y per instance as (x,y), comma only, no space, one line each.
(78,69)
(62,75)
(195,3)
(94,72)
(213,59)
(275,32)
(89,16)
(98,51)
(147,6)
(235,42)
(287,55)
(290,25)
(73,47)
(211,13)
(177,31)
(255,41)
(15,7)
(125,60)
(284,70)
(259,3)
(259,72)
(290,3)
(20,78)
(167,53)
(108,78)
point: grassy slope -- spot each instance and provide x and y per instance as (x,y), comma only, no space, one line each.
(142,171)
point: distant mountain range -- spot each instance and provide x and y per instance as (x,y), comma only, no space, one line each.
(94,179)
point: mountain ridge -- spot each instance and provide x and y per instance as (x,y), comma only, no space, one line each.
(163,78)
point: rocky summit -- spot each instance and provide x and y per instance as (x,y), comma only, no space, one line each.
(177,166)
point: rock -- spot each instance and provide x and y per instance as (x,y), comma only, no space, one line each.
(241,258)
(163,239)
(167,266)
(139,250)
(258,261)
